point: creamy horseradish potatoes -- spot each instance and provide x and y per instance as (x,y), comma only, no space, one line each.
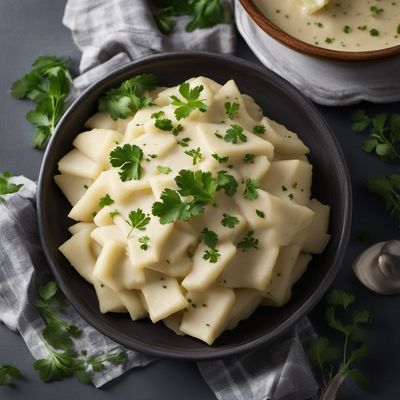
(347,25)
(194,211)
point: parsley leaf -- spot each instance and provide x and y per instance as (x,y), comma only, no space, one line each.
(229,221)
(384,136)
(234,134)
(184,109)
(48,85)
(163,170)
(219,158)
(7,187)
(226,182)
(248,242)
(106,201)
(204,13)
(164,124)
(259,129)
(211,255)
(232,109)
(250,191)
(128,97)
(260,213)
(195,154)
(144,242)
(8,373)
(171,208)
(128,158)
(185,142)
(387,187)
(138,220)
(210,238)
(201,185)
(249,158)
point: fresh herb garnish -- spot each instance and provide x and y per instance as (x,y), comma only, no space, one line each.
(127,98)
(164,124)
(229,221)
(144,242)
(219,158)
(388,187)
(259,129)
(203,13)
(113,213)
(195,154)
(8,374)
(250,191)
(209,238)
(346,29)
(201,186)
(374,32)
(248,242)
(48,85)
(384,135)
(211,255)
(7,187)
(249,158)
(137,220)
(184,108)
(375,11)
(326,356)
(106,201)
(163,170)
(232,109)
(185,142)
(260,213)
(128,159)
(58,335)
(235,134)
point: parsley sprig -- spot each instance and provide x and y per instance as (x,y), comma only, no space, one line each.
(8,373)
(48,85)
(235,134)
(387,187)
(138,220)
(58,335)
(195,154)
(231,109)
(327,357)
(128,159)
(210,239)
(250,190)
(203,13)
(384,134)
(106,201)
(248,242)
(127,98)
(229,221)
(165,124)
(200,188)
(7,187)
(184,108)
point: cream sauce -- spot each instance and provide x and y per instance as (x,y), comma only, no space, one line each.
(346,25)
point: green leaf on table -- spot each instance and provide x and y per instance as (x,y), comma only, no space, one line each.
(8,374)
(338,297)
(6,187)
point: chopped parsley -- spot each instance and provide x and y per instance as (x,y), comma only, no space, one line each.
(259,129)
(329,40)
(144,242)
(219,158)
(248,242)
(260,213)
(106,201)
(249,158)
(226,182)
(163,170)
(162,123)
(229,221)
(128,159)
(211,255)
(209,238)
(232,109)
(374,32)
(195,154)
(184,142)
(346,29)
(184,108)
(375,11)
(113,213)
(235,134)
(250,191)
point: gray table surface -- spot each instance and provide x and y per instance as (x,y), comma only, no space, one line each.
(29,28)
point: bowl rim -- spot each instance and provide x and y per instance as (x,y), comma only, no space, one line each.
(309,49)
(302,311)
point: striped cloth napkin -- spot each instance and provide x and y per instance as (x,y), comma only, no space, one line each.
(111,33)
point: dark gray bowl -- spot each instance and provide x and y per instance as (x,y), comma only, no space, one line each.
(331,185)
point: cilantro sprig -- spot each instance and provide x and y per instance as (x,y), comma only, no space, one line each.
(203,13)
(47,85)
(387,187)
(185,108)
(7,187)
(384,134)
(328,357)
(199,187)
(58,336)
(138,220)
(128,159)
(8,373)
(129,97)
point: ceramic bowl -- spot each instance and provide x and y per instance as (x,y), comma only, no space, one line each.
(329,77)
(331,184)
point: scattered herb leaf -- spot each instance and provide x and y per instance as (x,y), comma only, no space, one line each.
(128,159)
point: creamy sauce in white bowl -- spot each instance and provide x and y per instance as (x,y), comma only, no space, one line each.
(346,25)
